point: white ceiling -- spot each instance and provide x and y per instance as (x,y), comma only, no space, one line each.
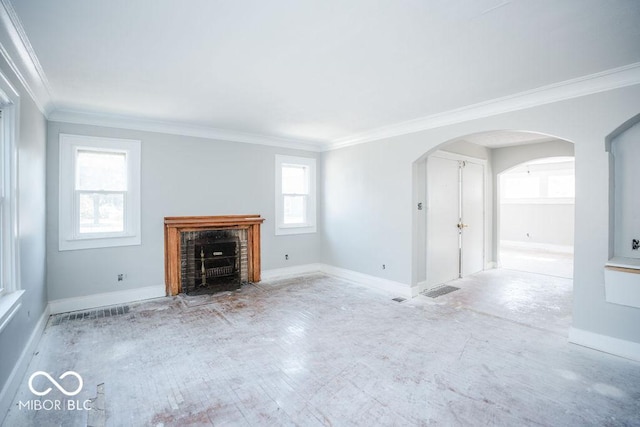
(314,71)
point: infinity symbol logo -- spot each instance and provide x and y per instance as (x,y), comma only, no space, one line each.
(55,383)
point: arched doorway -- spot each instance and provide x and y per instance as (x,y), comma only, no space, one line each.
(540,300)
(536,204)
(500,150)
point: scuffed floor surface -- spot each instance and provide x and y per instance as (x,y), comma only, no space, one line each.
(321,351)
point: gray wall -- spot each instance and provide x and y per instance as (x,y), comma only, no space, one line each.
(366,212)
(180,176)
(370,202)
(31,232)
(544,223)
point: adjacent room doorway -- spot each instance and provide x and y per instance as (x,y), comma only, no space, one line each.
(536,216)
(455,217)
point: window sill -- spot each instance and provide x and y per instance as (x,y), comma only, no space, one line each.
(97,243)
(287,230)
(9,305)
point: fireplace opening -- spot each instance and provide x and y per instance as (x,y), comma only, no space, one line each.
(215,260)
(212,262)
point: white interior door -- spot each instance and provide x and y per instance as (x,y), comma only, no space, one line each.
(455,219)
(443,206)
(472,218)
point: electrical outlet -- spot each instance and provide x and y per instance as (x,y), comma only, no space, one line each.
(286,257)
(384,266)
(121,277)
(635,244)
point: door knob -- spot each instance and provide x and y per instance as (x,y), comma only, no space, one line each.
(461,225)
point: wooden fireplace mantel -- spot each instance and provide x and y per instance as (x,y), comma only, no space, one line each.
(174,225)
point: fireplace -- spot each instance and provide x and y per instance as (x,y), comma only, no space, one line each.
(212,261)
(211,254)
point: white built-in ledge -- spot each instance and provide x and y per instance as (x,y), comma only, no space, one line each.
(9,306)
(622,281)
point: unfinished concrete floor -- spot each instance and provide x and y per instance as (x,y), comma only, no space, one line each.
(321,351)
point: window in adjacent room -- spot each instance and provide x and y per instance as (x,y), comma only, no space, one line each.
(295,195)
(99,192)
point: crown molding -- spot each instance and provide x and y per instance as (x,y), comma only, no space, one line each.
(122,122)
(615,78)
(16,49)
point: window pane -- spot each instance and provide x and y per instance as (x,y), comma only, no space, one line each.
(521,187)
(562,186)
(294,209)
(294,179)
(102,171)
(101,213)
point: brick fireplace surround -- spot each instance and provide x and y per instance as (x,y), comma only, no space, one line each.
(175,226)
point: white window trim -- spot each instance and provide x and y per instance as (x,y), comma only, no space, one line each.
(311,224)
(10,288)
(69,238)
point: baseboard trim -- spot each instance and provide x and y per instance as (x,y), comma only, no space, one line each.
(391,287)
(20,368)
(287,272)
(108,298)
(611,345)
(139,294)
(420,287)
(388,286)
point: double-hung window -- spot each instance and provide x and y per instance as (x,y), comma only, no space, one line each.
(295,195)
(99,192)
(10,289)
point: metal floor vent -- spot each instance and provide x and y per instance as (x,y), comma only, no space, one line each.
(399,299)
(92,314)
(439,291)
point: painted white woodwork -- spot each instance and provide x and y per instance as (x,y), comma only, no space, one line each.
(455,218)
(472,209)
(622,281)
(69,236)
(443,212)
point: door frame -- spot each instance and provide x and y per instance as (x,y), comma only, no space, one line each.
(423,285)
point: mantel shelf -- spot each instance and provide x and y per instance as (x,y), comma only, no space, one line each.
(212,221)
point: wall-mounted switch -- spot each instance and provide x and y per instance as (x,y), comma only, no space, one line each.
(635,244)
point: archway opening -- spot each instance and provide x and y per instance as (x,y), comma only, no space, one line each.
(501,150)
(543,300)
(536,204)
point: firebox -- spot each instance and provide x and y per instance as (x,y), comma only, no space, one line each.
(211,262)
